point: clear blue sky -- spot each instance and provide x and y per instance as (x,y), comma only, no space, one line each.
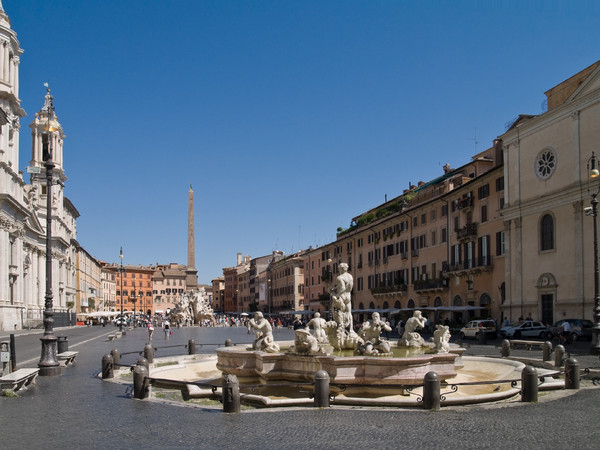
(288,117)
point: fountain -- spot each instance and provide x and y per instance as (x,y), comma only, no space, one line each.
(364,368)
(371,361)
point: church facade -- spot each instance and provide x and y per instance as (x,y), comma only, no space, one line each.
(23,209)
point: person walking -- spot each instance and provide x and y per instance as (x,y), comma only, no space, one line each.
(150,330)
(167,327)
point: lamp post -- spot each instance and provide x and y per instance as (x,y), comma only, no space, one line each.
(121,271)
(593,174)
(48,364)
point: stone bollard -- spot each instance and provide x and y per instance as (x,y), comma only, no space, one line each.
(547,351)
(529,385)
(116,354)
(143,362)
(505,348)
(228,343)
(571,374)
(559,355)
(321,393)
(140,382)
(431,391)
(149,352)
(231,394)
(107,366)
(191,347)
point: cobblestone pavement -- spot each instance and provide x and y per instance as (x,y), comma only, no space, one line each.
(78,410)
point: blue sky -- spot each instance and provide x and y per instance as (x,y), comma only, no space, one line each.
(288,117)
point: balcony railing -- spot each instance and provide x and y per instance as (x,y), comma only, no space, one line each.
(467,232)
(421,285)
(395,289)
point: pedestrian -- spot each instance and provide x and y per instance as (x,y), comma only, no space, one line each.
(167,328)
(150,330)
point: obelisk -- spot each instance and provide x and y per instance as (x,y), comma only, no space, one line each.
(191,279)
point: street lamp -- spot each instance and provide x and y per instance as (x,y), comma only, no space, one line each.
(594,174)
(121,271)
(48,364)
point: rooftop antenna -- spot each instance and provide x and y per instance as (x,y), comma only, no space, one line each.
(475,140)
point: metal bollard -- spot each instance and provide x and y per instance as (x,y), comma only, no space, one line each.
(116,354)
(505,348)
(321,393)
(481,337)
(547,351)
(231,394)
(571,374)
(149,352)
(559,355)
(143,362)
(228,343)
(140,382)
(107,366)
(191,347)
(529,385)
(431,391)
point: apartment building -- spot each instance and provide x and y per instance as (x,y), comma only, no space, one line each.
(134,289)
(168,284)
(286,283)
(218,294)
(89,283)
(431,247)
(109,288)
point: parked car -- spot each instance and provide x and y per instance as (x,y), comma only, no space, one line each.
(529,328)
(580,329)
(474,327)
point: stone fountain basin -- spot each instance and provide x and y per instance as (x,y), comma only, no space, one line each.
(262,367)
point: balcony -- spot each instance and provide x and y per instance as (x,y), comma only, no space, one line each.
(469,231)
(438,285)
(473,267)
(397,289)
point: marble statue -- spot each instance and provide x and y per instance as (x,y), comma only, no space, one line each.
(201,309)
(411,338)
(441,338)
(370,332)
(305,343)
(318,325)
(341,296)
(264,334)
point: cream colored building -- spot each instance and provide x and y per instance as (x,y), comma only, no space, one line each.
(109,288)
(549,237)
(89,283)
(286,291)
(168,284)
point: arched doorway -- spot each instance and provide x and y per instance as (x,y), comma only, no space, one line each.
(485,301)
(457,315)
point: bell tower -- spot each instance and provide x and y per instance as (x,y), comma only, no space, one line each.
(10,104)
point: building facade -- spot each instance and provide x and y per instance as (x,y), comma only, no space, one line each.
(168,284)
(89,283)
(549,237)
(134,289)
(23,206)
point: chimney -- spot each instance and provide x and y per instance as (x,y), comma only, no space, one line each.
(239,259)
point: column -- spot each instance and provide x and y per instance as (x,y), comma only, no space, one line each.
(2,61)
(17,60)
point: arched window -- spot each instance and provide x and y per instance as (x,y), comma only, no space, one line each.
(386,305)
(457,301)
(547,233)
(397,304)
(371,305)
(411,303)
(438,302)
